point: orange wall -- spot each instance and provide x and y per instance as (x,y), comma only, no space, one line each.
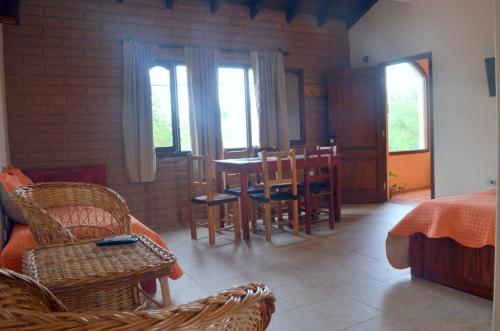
(413,170)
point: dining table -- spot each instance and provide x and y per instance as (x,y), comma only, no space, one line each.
(247,166)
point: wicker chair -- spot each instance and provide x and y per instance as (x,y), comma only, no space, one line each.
(26,304)
(64,212)
(61,212)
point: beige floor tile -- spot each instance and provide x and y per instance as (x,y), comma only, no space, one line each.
(341,312)
(298,320)
(306,292)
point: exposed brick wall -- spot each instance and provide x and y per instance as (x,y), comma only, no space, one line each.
(63,80)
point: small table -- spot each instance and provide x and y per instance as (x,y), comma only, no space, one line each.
(85,276)
(247,166)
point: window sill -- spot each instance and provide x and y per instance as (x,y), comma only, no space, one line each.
(163,155)
(418,151)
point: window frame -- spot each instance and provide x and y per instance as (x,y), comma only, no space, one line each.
(248,106)
(417,67)
(175,150)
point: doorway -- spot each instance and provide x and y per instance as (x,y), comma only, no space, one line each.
(410,176)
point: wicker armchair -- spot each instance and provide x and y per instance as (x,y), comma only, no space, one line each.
(26,304)
(61,212)
(65,212)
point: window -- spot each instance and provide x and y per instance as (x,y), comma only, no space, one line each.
(239,118)
(170,108)
(407,108)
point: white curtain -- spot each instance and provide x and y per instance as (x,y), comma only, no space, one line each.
(204,112)
(137,121)
(270,89)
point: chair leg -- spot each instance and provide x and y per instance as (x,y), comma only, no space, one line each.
(267,220)
(253,215)
(307,200)
(280,215)
(331,211)
(295,208)
(211,225)
(236,220)
(192,222)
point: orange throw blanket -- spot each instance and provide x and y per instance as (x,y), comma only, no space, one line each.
(21,239)
(468,219)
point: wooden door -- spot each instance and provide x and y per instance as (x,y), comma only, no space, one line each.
(357,122)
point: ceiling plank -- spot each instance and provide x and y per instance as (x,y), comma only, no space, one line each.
(169,4)
(214,5)
(255,6)
(291,9)
(325,10)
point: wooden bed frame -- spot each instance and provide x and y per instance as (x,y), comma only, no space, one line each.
(446,262)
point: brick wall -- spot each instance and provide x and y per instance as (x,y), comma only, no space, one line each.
(63,80)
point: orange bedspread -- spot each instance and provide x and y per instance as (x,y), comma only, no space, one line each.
(468,219)
(22,239)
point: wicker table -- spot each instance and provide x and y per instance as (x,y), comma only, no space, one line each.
(90,277)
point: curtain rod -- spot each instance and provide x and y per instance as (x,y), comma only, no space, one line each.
(226,50)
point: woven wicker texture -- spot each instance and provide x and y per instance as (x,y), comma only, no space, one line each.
(247,308)
(22,292)
(90,277)
(88,211)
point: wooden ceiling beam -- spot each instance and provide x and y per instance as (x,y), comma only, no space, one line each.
(169,4)
(326,9)
(291,9)
(214,5)
(255,6)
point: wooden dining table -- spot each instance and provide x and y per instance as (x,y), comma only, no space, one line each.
(247,166)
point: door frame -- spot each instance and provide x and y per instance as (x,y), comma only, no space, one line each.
(413,58)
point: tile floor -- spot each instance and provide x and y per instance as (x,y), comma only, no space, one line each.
(332,280)
(412,197)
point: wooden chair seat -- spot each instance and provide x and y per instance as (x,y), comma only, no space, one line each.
(236,191)
(274,196)
(217,199)
(315,188)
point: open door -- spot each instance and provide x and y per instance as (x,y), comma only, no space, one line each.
(356,102)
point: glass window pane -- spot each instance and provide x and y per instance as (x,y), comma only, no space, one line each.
(254,115)
(406,101)
(183,107)
(162,107)
(232,107)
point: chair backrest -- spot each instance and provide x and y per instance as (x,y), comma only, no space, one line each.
(276,162)
(232,178)
(314,166)
(261,149)
(62,212)
(200,174)
(26,304)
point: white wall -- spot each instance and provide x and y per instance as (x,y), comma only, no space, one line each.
(460,35)
(4,145)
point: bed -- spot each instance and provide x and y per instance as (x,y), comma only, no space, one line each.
(449,241)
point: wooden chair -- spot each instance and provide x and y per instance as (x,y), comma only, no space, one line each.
(27,305)
(318,181)
(200,174)
(232,180)
(280,189)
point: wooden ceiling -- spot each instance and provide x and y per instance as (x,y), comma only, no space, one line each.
(349,11)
